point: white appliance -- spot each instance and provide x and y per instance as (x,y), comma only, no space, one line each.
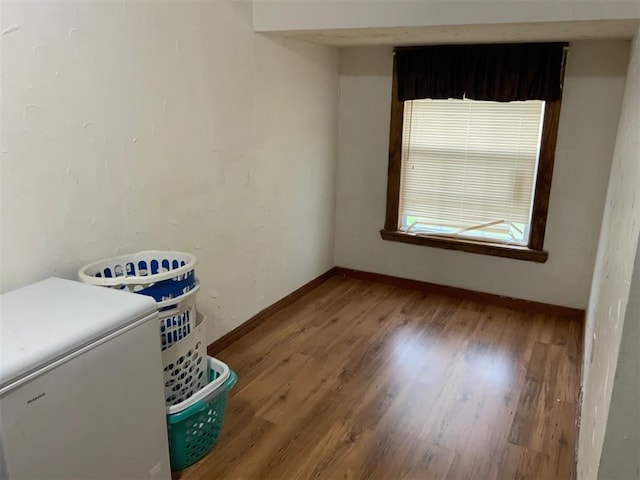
(81,388)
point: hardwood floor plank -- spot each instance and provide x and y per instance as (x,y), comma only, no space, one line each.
(426,461)
(358,380)
(520,463)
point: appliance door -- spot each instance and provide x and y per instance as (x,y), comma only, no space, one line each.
(99,414)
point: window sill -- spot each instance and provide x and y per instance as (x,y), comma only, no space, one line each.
(484,248)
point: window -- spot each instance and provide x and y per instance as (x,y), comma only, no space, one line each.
(474,174)
(468,168)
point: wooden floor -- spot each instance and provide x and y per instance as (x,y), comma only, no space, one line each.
(363,380)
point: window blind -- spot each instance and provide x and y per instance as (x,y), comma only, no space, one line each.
(469,168)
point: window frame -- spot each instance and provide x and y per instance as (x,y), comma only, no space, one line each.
(534,251)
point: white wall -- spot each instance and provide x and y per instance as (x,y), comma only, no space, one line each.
(612,276)
(620,458)
(166,125)
(593,90)
(282,15)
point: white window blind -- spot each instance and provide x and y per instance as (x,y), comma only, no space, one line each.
(469,167)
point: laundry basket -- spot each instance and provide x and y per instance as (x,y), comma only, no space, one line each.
(177,317)
(158,274)
(185,364)
(194,425)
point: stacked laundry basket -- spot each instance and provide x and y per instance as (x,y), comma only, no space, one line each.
(195,385)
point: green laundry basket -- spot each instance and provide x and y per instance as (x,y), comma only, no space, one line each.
(194,425)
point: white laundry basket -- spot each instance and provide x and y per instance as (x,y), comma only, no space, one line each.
(177,317)
(185,365)
(160,274)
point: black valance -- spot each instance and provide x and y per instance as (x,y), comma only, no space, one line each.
(502,73)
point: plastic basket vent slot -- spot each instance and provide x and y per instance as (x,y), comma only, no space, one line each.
(184,369)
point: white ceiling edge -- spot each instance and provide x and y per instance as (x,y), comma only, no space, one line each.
(293,15)
(455,34)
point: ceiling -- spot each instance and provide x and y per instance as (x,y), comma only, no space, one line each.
(497,33)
